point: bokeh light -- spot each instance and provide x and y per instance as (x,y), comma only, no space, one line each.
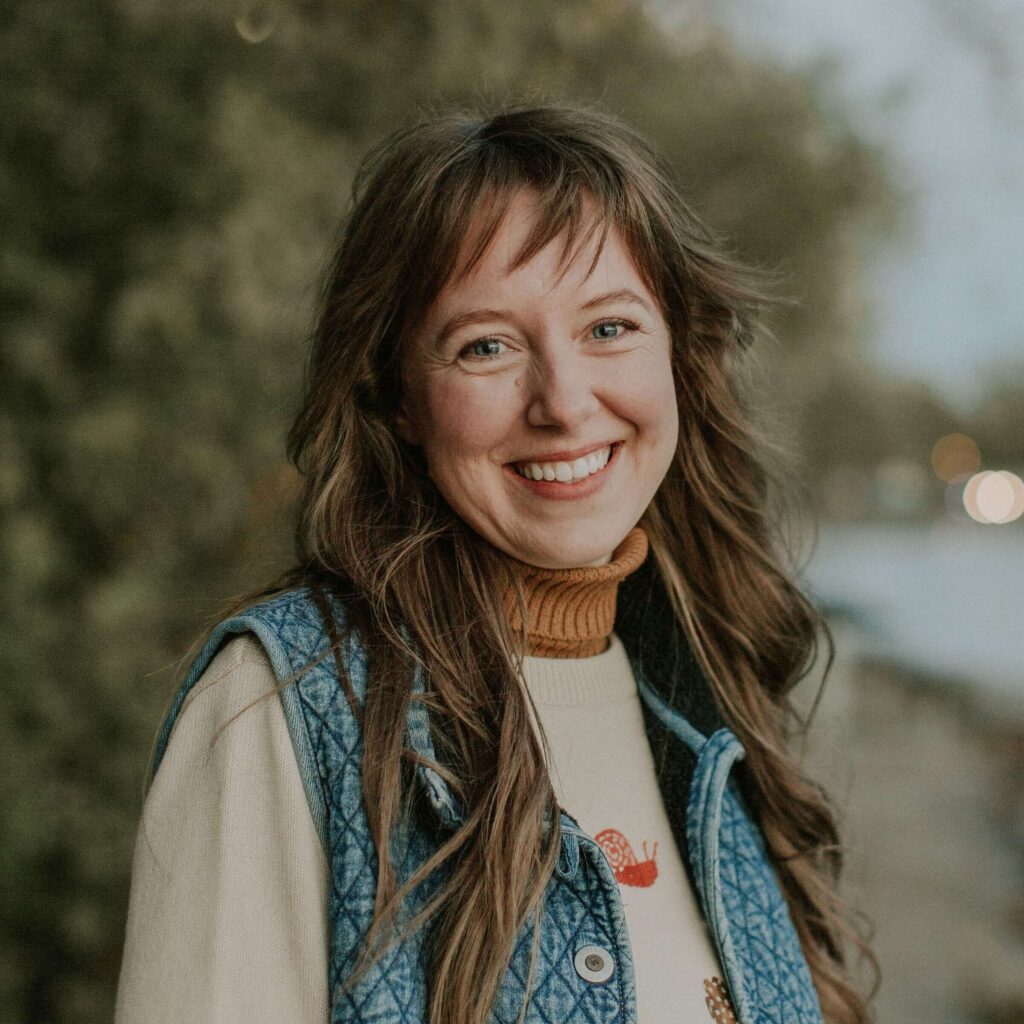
(955,455)
(994,497)
(255,23)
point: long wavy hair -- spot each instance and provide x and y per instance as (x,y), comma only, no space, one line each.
(421,587)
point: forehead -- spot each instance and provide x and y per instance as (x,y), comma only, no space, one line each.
(511,254)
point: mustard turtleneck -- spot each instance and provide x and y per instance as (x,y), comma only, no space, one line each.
(571,612)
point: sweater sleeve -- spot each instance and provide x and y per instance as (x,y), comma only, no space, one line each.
(227,916)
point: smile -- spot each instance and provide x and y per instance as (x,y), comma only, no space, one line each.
(568,478)
(566,472)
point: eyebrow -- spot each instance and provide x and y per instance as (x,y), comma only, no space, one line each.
(480,316)
(622,295)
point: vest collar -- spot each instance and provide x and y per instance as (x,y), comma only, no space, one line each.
(659,651)
(663,663)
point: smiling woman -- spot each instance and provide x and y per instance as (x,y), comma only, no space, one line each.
(508,742)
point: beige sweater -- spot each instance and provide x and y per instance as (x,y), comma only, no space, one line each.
(228,918)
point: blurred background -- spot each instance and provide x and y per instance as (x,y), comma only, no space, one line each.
(171,178)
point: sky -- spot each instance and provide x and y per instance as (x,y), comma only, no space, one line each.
(940,83)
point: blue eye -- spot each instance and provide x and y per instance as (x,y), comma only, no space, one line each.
(484,348)
(609,329)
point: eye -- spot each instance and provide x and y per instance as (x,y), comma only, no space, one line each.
(608,330)
(484,348)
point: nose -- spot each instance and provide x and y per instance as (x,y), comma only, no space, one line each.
(562,392)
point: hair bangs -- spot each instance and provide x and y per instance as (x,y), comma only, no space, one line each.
(573,203)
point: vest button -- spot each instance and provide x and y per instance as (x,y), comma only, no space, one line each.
(594,964)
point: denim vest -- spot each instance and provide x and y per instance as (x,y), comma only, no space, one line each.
(584,969)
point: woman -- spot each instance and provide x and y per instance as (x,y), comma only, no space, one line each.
(528,760)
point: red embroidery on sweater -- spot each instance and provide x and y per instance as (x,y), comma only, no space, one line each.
(628,870)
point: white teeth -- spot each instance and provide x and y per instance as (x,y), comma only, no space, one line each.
(565,472)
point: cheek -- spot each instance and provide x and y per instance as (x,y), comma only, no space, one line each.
(650,404)
(647,397)
(464,421)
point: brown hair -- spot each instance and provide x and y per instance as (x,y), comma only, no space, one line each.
(420,585)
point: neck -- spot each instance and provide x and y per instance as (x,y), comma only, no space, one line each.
(571,612)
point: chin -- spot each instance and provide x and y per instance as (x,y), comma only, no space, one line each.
(570,555)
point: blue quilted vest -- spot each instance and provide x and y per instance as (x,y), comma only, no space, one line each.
(584,971)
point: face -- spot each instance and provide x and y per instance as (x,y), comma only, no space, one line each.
(543,398)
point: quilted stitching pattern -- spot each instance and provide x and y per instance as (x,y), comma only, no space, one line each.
(757,941)
(775,973)
(578,911)
(582,905)
(393,990)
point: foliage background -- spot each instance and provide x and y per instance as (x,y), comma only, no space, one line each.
(171,178)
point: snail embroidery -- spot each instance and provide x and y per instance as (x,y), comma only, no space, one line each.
(628,870)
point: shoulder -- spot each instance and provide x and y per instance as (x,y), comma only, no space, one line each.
(295,627)
(238,673)
(229,738)
(291,634)
(239,721)
(231,713)
(291,642)
(228,796)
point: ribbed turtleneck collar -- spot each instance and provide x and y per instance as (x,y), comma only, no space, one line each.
(571,612)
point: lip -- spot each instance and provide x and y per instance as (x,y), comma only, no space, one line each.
(568,455)
(569,491)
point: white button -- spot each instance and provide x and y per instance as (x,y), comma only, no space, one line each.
(594,964)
